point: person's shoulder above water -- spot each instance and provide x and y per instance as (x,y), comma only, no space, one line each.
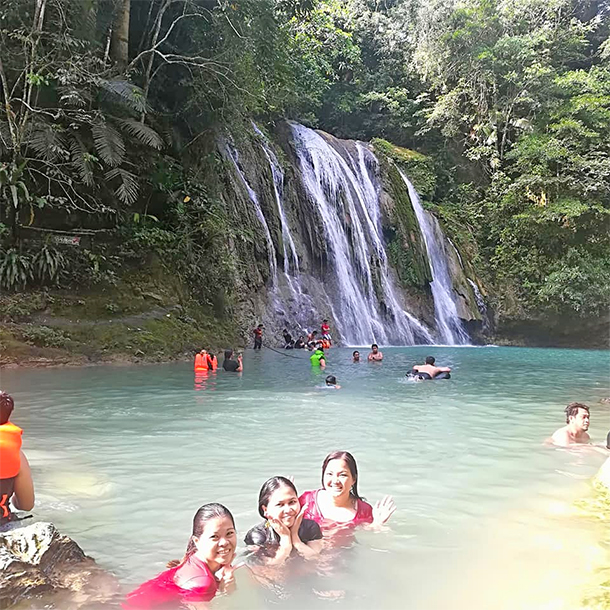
(575,430)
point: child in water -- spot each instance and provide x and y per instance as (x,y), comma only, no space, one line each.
(331,382)
(284,531)
(205,569)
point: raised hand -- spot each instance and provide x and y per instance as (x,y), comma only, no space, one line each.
(227,579)
(294,530)
(279,528)
(383,510)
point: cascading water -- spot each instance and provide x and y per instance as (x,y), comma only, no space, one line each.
(232,153)
(304,305)
(482,307)
(366,307)
(445,311)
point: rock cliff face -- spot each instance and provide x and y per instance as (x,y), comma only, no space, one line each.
(37,560)
(324,228)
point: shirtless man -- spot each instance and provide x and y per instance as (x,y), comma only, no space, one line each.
(430,369)
(575,433)
(375,354)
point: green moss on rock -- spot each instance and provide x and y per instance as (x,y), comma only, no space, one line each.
(406,248)
(418,167)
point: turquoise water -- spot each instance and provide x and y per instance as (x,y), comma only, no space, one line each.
(123,456)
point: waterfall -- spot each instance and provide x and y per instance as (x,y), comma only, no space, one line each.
(345,198)
(232,153)
(305,309)
(481,306)
(449,325)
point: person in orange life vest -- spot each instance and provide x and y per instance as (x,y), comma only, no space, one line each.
(258,336)
(16,485)
(205,361)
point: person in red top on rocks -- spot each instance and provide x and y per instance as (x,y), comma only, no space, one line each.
(338,502)
(205,570)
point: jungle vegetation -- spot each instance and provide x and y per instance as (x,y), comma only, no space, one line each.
(107,106)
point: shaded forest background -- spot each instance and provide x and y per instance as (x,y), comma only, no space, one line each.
(110,111)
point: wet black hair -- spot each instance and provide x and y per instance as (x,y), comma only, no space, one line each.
(374,345)
(430,360)
(7,404)
(355,352)
(228,354)
(572,410)
(349,459)
(269,486)
(331,380)
(202,516)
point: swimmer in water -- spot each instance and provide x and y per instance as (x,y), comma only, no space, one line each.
(575,432)
(205,569)
(375,355)
(338,501)
(355,356)
(284,532)
(331,382)
(429,370)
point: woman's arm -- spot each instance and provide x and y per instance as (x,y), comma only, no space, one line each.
(23,496)
(310,549)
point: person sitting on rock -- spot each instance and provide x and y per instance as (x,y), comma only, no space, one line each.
(16,485)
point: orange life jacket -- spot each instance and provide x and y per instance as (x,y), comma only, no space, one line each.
(201,362)
(214,363)
(325,344)
(10,447)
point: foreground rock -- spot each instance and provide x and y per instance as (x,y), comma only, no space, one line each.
(36,560)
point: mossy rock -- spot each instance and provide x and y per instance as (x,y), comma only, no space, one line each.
(418,167)
(405,245)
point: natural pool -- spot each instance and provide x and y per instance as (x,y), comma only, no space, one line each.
(123,456)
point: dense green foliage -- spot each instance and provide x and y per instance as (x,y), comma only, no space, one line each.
(110,109)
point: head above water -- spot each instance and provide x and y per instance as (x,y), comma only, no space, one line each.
(578,413)
(356,355)
(205,514)
(7,404)
(228,354)
(331,380)
(374,348)
(267,490)
(430,360)
(350,463)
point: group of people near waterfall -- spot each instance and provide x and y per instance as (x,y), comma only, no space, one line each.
(292,525)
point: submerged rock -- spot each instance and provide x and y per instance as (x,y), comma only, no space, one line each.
(37,559)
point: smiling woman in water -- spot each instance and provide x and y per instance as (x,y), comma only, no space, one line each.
(338,502)
(285,532)
(205,570)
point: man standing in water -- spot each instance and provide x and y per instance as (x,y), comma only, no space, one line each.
(430,369)
(258,337)
(575,432)
(375,355)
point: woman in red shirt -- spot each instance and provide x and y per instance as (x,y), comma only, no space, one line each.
(205,569)
(338,502)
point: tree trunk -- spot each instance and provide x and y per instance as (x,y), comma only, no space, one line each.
(119,46)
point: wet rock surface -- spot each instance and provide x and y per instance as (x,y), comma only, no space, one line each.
(37,560)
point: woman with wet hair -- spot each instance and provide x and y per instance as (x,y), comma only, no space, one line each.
(284,532)
(338,502)
(205,569)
